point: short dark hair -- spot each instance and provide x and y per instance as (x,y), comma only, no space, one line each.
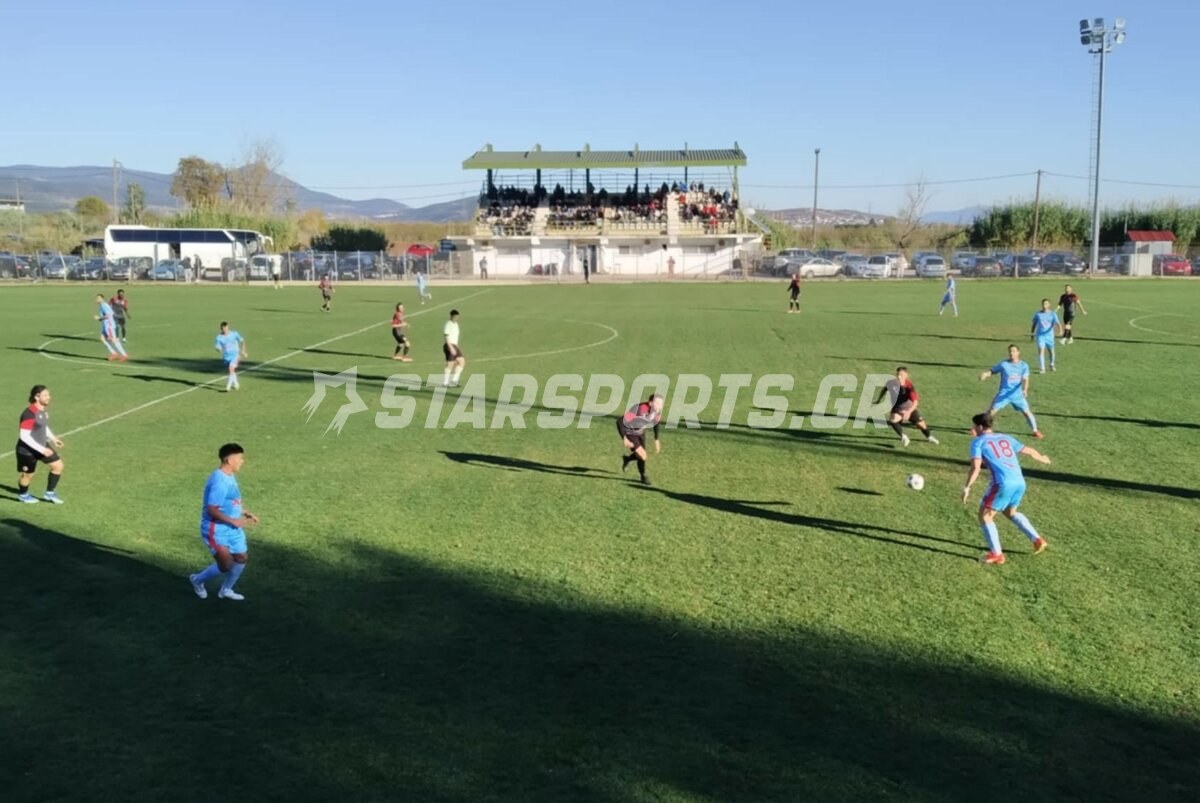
(1014,346)
(982,420)
(34,392)
(121,292)
(453,312)
(229,450)
(1045,301)
(224,324)
(903,368)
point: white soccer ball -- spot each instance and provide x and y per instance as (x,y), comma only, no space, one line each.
(915,481)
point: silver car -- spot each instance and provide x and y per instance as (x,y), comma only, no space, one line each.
(931,267)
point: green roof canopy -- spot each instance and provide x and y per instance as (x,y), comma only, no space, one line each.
(488,159)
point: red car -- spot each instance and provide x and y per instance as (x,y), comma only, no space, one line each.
(420,250)
(1172,265)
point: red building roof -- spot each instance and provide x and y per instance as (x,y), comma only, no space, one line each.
(1151,237)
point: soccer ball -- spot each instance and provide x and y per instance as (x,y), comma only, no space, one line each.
(915,481)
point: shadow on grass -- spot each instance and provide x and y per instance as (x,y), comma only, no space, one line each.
(858,491)
(73,355)
(1136,342)
(288,311)
(1145,422)
(380,356)
(82,339)
(895,362)
(208,384)
(517,464)
(415,681)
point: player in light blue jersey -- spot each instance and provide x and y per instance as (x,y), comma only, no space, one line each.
(999,453)
(232,347)
(108,330)
(222,523)
(950,297)
(1014,387)
(422,288)
(1046,326)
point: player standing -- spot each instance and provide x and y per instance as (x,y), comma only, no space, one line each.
(120,308)
(1014,387)
(37,444)
(632,428)
(108,330)
(326,288)
(1044,328)
(455,359)
(399,334)
(221,525)
(232,347)
(904,406)
(1068,301)
(1007,488)
(422,289)
(794,294)
(950,297)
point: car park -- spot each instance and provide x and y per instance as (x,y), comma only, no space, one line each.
(931,266)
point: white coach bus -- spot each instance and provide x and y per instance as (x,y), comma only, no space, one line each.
(211,247)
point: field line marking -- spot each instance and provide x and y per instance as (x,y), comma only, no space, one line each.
(1134,323)
(614,334)
(254,367)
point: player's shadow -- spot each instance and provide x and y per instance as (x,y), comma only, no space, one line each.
(172,380)
(1145,422)
(289,311)
(73,355)
(1137,342)
(70,337)
(559,694)
(506,463)
(872,532)
(379,356)
(858,491)
(895,362)
(1017,341)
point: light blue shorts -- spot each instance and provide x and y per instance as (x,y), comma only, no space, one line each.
(221,535)
(1045,342)
(1002,497)
(1017,401)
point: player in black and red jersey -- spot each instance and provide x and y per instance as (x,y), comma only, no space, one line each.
(794,294)
(1067,302)
(632,428)
(326,288)
(904,406)
(37,444)
(400,335)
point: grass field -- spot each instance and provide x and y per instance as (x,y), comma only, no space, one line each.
(462,614)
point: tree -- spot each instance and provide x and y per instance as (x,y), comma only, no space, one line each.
(135,204)
(902,228)
(254,184)
(91,208)
(348,238)
(198,182)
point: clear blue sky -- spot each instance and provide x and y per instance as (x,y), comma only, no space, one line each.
(373,99)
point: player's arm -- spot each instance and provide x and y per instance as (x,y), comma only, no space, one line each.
(986,375)
(1058,325)
(242,344)
(972,475)
(1033,327)
(26,437)
(1079,304)
(1025,385)
(214,513)
(1029,451)
(657,443)
(53,439)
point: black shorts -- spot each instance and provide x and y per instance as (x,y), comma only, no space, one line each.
(399,336)
(27,461)
(1068,317)
(451,356)
(636,438)
(795,294)
(325,294)
(913,418)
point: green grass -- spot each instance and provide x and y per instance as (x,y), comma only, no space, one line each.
(464,614)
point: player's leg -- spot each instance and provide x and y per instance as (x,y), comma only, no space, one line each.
(640,454)
(1022,407)
(460,362)
(407,346)
(399,344)
(234,574)
(1023,524)
(104,338)
(449,354)
(56,470)
(222,562)
(954,305)
(896,422)
(26,466)
(987,525)
(1050,348)
(921,424)
(1041,358)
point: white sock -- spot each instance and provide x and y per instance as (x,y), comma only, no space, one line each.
(458,369)
(446,377)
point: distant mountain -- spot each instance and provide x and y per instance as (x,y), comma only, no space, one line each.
(53,189)
(958,217)
(825,217)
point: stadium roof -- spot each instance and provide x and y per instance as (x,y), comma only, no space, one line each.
(1151,236)
(489,159)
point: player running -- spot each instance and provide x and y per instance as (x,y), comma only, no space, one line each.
(423,289)
(232,347)
(1067,302)
(1007,488)
(120,308)
(1014,387)
(1045,326)
(221,525)
(455,359)
(108,330)
(632,428)
(400,335)
(37,444)
(794,294)
(950,297)
(326,288)
(904,406)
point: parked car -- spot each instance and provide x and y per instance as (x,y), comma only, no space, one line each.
(983,266)
(831,254)
(168,270)
(1062,262)
(878,266)
(817,268)
(1196,266)
(8,265)
(1172,265)
(962,259)
(899,263)
(96,268)
(420,250)
(931,267)
(853,264)
(1020,263)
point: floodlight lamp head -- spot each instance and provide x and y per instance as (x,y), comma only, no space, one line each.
(1119,25)
(1085,39)
(1098,24)
(1120,37)
(1085,25)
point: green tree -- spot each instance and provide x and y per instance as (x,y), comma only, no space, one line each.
(91,208)
(349,238)
(135,204)
(198,182)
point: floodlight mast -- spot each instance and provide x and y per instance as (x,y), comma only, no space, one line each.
(1099,41)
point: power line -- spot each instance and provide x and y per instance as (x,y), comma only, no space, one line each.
(1128,182)
(892,186)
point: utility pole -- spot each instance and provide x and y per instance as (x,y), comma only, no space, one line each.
(1037,208)
(816,184)
(116,209)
